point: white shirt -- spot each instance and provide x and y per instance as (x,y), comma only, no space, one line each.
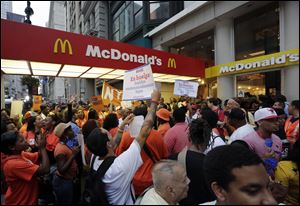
(215,141)
(119,176)
(209,203)
(153,198)
(240,133)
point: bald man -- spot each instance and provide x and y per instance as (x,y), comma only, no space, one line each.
(170,183)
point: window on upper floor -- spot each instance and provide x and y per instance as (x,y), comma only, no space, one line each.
(159,10)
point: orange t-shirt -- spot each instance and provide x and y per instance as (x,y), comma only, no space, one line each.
(80,122)
(65,150)
(163,128)
(19,173)
(23,129)
(29,137)
(52,141)
(113,131)
(143,178)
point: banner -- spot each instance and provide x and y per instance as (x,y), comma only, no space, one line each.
(138,83)
(16,108)
(97,103)
(37,101)
(186,88)
(111,95)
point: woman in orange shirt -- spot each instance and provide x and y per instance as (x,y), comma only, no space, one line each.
(80,121)
(163,118)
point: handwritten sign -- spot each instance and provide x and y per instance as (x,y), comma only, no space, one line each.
(111,95)
(37,101)
(97,103)
(186,88)
(138,83)
(16,108)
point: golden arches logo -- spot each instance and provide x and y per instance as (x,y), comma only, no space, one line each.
(63,45)
(171,63)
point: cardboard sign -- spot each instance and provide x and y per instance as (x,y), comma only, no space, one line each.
(241,93)
(97,103)
(16,108)
(138,83)
(37,101)
(111,95)
(186,88)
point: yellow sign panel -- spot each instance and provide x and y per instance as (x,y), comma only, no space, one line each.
(97,103)
(37,101)
(63,45)
(279,59)
(171,63)
(111,95)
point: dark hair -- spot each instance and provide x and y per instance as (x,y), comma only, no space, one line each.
(179,114)
(210,116)
(293,154)
(96,142)
(295,103)
(141,110)
(92,114)
(31,126)
(199,132)
(280,98)
(8,139)
(279,111)
(55,118)
(214,101)
(88,127)
(110,121)
(240,143)
(219,163)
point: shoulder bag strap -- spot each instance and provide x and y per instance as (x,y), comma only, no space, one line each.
(149,153)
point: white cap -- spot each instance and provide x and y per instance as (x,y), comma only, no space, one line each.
(265,113)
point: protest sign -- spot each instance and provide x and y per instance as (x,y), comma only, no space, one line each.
(16,108)
(111,95)
(138,83)
(97,103)
(37,101)
(186,88)
(241,93)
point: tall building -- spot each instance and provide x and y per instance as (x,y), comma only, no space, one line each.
(6,6)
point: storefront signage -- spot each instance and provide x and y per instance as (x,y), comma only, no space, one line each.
(279,59)
(138,83)
(111,95)
(186,88)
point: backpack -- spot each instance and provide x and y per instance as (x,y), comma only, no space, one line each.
(94,190)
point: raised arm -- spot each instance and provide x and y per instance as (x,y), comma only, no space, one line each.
(118,136)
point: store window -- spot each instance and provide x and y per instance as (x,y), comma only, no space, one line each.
(257,33)
(159,10)
(128,17)
(201,47)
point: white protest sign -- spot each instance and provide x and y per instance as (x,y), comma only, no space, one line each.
(241,93)
(189,88)
(138,83)
(16,108)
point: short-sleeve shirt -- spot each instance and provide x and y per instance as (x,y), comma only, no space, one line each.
(118,177)
(52,141)
(162,129)
(22,185)
(62,149)
(257,144)
(240,133)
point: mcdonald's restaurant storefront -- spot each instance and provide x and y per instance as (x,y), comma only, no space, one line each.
(38,51)
(262,75)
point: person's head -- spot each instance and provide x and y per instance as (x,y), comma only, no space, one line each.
(210,116)
(140,110)
(170,180)
(179,115)
(44,109)
(163,115)
(51,121)
(88,127)
(199,132)
(64,131)
(233,103)
(93,114)
(294,107)
(98,142)
(245,104)
(278,105)
(111,121)
(80,114)
(13,143)
(7,125)
(267,120)
(236,117)
(237,176)
(203,105)
(4,114)
(281,116)
(31,124)
(212,103)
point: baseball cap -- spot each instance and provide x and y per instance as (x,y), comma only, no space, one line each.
(29,114)
(163,114)
(265,113)
(235,113)
(60,128)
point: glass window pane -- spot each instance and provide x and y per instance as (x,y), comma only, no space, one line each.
(116,36)
(159,10)
(137,5)
(122,25)
(116,24)
(138,19)
(128,19)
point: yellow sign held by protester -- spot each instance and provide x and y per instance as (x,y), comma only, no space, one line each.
(111,95)
(97,103)
(37,101)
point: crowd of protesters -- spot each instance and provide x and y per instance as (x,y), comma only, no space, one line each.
(242,151)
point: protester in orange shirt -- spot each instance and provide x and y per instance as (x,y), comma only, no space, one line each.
(26,118)
(163,118)
(111,123)
(291,126)
(63,185)
(156,150)
(80,121)
(20,169)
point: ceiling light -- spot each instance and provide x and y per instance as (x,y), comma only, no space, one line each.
(45,66)
(16,64)
(90,75)
(73,68)
(15,70)
(44,72)
(257,53)
(118,72)
(69,74)
(99,70)
(109,76)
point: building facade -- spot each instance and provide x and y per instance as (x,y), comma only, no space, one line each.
(249,47)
